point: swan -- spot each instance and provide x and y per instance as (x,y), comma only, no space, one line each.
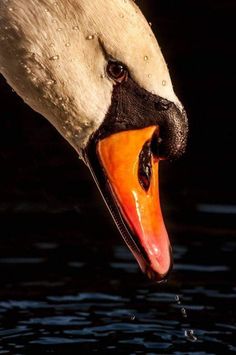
(95,70)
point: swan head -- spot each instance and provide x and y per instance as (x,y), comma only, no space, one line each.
(96,72)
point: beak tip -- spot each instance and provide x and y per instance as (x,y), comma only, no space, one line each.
(157,277)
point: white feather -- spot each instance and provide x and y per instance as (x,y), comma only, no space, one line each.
(50,53)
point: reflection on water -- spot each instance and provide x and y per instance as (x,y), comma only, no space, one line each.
(61,293)
(219,209)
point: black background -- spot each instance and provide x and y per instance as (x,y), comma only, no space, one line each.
(40,171)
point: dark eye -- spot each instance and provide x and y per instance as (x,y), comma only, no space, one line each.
(117,71)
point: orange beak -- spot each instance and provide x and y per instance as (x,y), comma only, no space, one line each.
(131,173)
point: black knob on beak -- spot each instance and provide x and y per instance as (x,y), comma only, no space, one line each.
(172,139)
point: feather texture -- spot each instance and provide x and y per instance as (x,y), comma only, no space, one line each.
(51,54)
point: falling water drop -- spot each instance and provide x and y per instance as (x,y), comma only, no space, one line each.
(10,8)
(177,298)
(183,312)
(68,44)
(163,82)
(146,58)
(189,334)
(59,29)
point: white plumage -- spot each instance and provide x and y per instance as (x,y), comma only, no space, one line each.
(52,54)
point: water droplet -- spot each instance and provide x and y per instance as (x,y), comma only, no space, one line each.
(75,28)
(132,317)
(177,299)
(50,82)
(68,44)
(145,57)
(68,134)
(54,57)
(60,98)
(149,75)
(163,82)
(46,10)
(59,29)
(32,54)
(184,313)
(189,334)
(28,70)
(89,37)
(102,76)
(54,20)
(10,8)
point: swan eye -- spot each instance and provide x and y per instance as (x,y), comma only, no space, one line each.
(117,71)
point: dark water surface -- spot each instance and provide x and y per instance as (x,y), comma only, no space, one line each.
(66,288)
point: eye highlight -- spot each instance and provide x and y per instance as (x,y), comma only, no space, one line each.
(117,71)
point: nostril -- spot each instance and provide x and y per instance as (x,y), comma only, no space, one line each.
(149,149)
(145,166)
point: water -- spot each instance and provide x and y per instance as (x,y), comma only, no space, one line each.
(63,291)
